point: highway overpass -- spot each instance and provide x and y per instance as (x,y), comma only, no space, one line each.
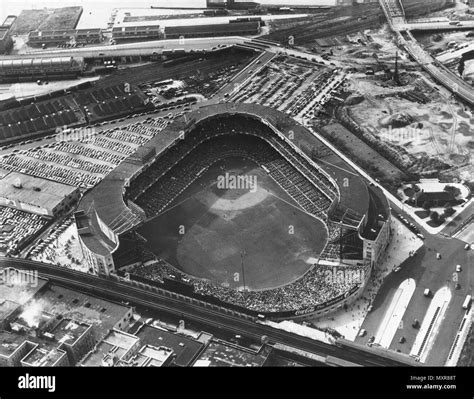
(395,14)
(439,26)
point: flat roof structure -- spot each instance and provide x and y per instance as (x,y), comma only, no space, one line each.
(116,346)
(24,288)
(43,357)
(7,308)
(103,315)
(213,30)
(40,193)
(151,356)
(10,342)
(185,348)
(221,354)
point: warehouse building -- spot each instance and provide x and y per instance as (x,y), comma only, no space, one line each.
(136,32)
(36,195)
(38,38)
(230,29)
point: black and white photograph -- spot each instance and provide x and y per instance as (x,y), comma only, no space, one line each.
(280,186)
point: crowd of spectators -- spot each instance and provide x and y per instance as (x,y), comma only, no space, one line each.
(179,177)
(302,180)
(318,286)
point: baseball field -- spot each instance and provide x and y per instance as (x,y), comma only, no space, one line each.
(248,234)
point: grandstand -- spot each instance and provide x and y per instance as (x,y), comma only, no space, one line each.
(257,133)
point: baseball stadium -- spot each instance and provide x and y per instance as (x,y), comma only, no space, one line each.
(239,205)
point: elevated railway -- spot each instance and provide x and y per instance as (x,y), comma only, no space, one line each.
(160,300)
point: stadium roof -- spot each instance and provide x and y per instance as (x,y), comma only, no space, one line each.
(34,190)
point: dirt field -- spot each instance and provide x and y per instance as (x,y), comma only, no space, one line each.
(47,19)
(222,227)
(446,126)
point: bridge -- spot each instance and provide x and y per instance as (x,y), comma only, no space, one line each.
(452,55)
(157,299)
(439,25)
(395,15)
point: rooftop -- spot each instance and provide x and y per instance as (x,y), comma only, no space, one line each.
(186,349)
(21,287)
(150,356)
(7,308)
(42,357)
(214,28)
(101,314)
(10,342)
(221,354)
(111,349)
(68,331)
(33,190)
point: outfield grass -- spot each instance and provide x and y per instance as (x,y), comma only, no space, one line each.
(210,231)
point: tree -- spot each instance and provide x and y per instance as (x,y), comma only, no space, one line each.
(426,205)
(453,190)
(434,216)
(449,211)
